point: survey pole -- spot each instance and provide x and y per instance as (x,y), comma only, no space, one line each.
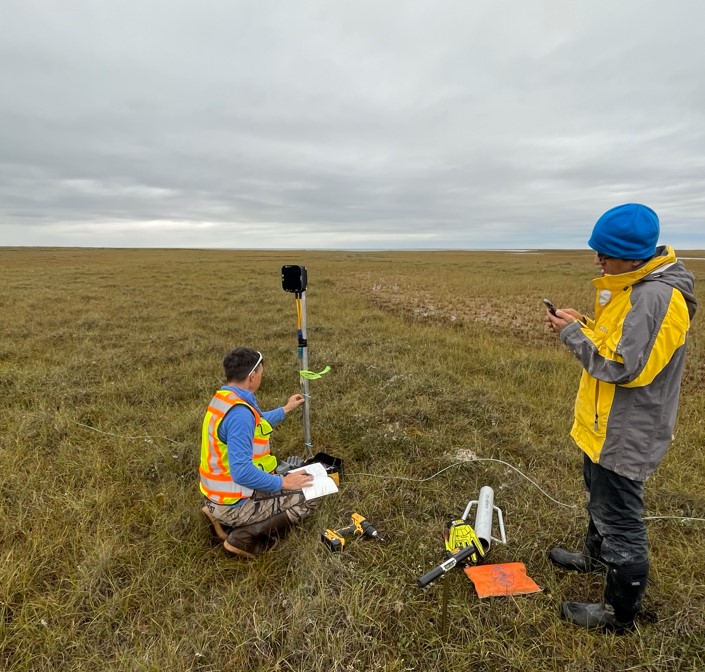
(303,364)
(294,280)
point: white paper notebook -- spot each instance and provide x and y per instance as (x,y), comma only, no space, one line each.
(322,484)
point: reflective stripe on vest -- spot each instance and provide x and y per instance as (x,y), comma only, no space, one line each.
(216,480)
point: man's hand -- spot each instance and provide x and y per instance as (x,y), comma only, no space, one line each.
(296,481)
(562,318)
(295,400)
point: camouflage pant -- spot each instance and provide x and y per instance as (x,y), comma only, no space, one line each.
(256,509)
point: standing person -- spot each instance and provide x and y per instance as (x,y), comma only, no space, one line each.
(242,492)
(632,354)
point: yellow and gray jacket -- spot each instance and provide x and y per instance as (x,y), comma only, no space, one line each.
(632,354)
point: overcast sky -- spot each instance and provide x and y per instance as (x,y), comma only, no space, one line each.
(331,124)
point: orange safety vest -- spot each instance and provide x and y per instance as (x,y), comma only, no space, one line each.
(216,480)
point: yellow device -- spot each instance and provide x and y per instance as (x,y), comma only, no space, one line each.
(460,535)
(360,526)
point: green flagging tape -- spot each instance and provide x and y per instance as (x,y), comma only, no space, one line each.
(312,376)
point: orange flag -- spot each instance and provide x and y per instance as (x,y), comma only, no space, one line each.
(507,579)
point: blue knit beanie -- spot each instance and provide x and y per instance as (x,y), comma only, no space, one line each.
(628,231)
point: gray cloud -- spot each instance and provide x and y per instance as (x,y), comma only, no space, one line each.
(331,124)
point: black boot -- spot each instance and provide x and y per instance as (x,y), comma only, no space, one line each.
(585,562)
(626,587)
(575,562)
(624,592)
(252,540)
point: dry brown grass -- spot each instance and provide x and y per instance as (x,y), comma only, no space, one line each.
(107,360)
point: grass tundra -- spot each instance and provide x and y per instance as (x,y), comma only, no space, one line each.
(107,361)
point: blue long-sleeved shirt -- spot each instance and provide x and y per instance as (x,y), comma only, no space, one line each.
(237,431)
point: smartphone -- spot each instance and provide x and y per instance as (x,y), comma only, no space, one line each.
(550,306)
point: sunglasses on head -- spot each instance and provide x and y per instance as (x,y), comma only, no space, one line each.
(259,361)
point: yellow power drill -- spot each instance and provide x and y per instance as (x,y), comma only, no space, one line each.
(360,526)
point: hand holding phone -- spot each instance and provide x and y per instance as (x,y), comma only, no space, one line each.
(550,306)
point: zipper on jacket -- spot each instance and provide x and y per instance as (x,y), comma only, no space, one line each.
(597,399)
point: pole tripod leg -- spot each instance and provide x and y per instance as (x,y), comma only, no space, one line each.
(444,607)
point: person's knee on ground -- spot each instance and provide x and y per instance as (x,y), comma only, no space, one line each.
(221,530)
(298,512)
(252,540)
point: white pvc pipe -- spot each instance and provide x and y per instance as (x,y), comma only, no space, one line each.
(483,517)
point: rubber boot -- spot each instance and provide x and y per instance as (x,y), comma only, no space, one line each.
(220,529)
(249,541)
(624,592)
(584,562)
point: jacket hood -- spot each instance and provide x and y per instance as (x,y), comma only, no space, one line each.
(673,273)
(663,267)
